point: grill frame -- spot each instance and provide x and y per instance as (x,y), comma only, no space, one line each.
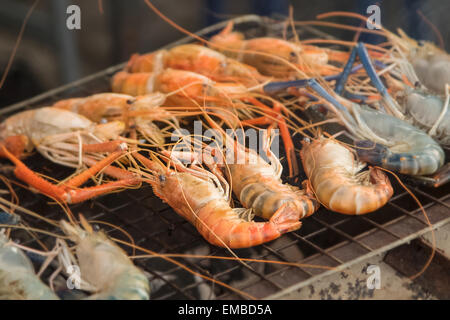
(323,233)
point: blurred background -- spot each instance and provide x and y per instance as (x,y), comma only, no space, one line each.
(50,55)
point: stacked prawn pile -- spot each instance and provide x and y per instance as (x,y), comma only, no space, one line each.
(392,103)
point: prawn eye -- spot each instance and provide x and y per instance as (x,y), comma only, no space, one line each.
(162,178)
(421,43)
(293,55)
(130,101)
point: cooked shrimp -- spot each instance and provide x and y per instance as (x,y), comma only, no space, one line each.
(181,86)
(338,180)
(258,185)
(105,266)
(71,140)
(142,111)
(17,277)
(198,196)
(199,59)
(305,57)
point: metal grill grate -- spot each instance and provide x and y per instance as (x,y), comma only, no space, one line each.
(326,238)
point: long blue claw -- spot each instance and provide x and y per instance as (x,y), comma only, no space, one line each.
(314,85)
(344,75)
(363,55)
(365,60)
(353,96)
(361,51)
(368,66)
(273,87)
(277,86)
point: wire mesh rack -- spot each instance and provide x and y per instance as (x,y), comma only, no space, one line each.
(326,238)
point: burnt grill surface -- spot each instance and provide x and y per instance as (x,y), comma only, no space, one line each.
(328,239)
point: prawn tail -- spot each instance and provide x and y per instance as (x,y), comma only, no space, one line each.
(286,219)
(134,60)
(383,184)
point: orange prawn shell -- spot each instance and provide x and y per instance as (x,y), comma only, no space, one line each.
(228,40)
(133,84)
(96,107)
(248,181)
(331,170)
(143,63)
(196,58)
(199,202)
(307,58)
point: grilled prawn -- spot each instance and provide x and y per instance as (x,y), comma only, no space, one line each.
(198,196)
(269,55)
(337,180)
(104,266)
(199,59)
(257,184)
(71,140)
(418,106)
(142,111)
(180,86)
(18,281)
(431,65)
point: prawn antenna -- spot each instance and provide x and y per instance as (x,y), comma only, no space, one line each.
(179,264)
(128,235)
(433,236)
(217,46)
(434,28)
(19,38)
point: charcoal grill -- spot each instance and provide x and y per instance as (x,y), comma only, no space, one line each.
(326,238)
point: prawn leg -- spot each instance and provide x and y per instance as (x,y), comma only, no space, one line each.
(440,178)
(109,146)
(66,193)
(284,131)
(274,87)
